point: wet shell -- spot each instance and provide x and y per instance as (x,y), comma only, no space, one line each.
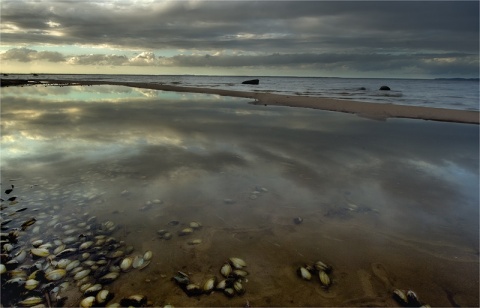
(237,263)
(138,262)
(237,285)
(85,245)
(320,266)
(31,284)
(88,302)
(195,225)
(147,255)
(412,299)
(93,290)
(400,297)
(324,279)
(134,300)
(63,263)
(194,242)
(108,278)
(193,289)
(39,252)
(240,273)
(230,292)
(226,270)
(72,265)
(56,274)
(209,285)
(31,301)
(3,269)
(167,236)
(304,273)
(82,274)
(103,297)
(59,249)
(20,256)
(126,264)
(185,231)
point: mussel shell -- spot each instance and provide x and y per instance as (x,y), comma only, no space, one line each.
(147,255)
(226,270)
(31,284)
(88,302)
(93,290)
(237,263)
(39,252)
(324,279)
(193,289)
(134,300)
(230,292)
(400,297)
(209,284)
(31,301)
(320,266)
(304,273)
(70,266)
(126,264)
(238,287)
(103,297)
(185,231)
(55,274)
(108,278)
(239,273)
(195,225)
(82,274)
(412,299)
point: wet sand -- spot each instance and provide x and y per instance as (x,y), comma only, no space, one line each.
(387,204)
(364,109)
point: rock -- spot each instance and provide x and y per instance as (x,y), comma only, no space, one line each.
(384,88)
(253,81)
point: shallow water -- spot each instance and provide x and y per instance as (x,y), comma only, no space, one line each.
(387,204)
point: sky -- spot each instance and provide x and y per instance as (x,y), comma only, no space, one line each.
(396,39)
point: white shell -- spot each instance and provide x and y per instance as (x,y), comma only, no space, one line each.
(56,274)
(81,274)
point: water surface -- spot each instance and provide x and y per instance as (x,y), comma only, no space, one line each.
(389,204)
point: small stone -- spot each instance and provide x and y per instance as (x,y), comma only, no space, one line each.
(298,220)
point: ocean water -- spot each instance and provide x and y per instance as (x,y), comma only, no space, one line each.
(450,94)
(386,204)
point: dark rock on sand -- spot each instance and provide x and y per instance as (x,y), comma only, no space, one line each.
(385,88)
(253,81)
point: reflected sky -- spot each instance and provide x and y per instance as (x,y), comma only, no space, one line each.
(416,181)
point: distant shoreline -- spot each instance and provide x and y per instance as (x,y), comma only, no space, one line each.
(369,110)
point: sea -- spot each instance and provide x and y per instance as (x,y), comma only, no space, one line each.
(462,94)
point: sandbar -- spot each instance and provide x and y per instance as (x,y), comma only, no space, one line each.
(378,111)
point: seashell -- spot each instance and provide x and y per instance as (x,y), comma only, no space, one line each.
(66,252)
(31,301)
(85,286)
(83,281)
(320,266)
(126,264)
(209,285)
(226,270)
(324,279)
(37,243)
(181,278)
(304,273)
(63,263)
(412,299)
(76,270)
(195,225)
(185,231)
(129,249)
(3,269)
(221,285)
(103,297)
(167,236)
(82,274)
(70,240)
(193,289)
(238,287)
(115,254)
(400,297)
(237,263)
(93,290)
(89,263)
(72,265)
(31,284)
(59,249)
(20,256)
(55,274)
(138,262)
(134,300)
(230,292)
(71,231)
(39,252)
(194,242)
(145,264)
(88,302)
(297,220)
(108,278)
(147,255)
(85,245)
(240,273)
(84,256)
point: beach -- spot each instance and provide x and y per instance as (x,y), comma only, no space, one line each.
(387,204)
(365,109)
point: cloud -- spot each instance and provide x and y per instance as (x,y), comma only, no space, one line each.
(28,55)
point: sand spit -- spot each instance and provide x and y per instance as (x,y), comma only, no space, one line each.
(369,110)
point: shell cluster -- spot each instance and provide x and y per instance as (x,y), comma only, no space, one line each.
(183,230)
(407,298)
(319,269)
(231,284)
(49,254)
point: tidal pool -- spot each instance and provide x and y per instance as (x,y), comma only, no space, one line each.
(388,205)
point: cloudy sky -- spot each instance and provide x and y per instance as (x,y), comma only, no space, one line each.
(312,38)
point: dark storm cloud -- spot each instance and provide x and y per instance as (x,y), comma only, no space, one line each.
(320,32)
